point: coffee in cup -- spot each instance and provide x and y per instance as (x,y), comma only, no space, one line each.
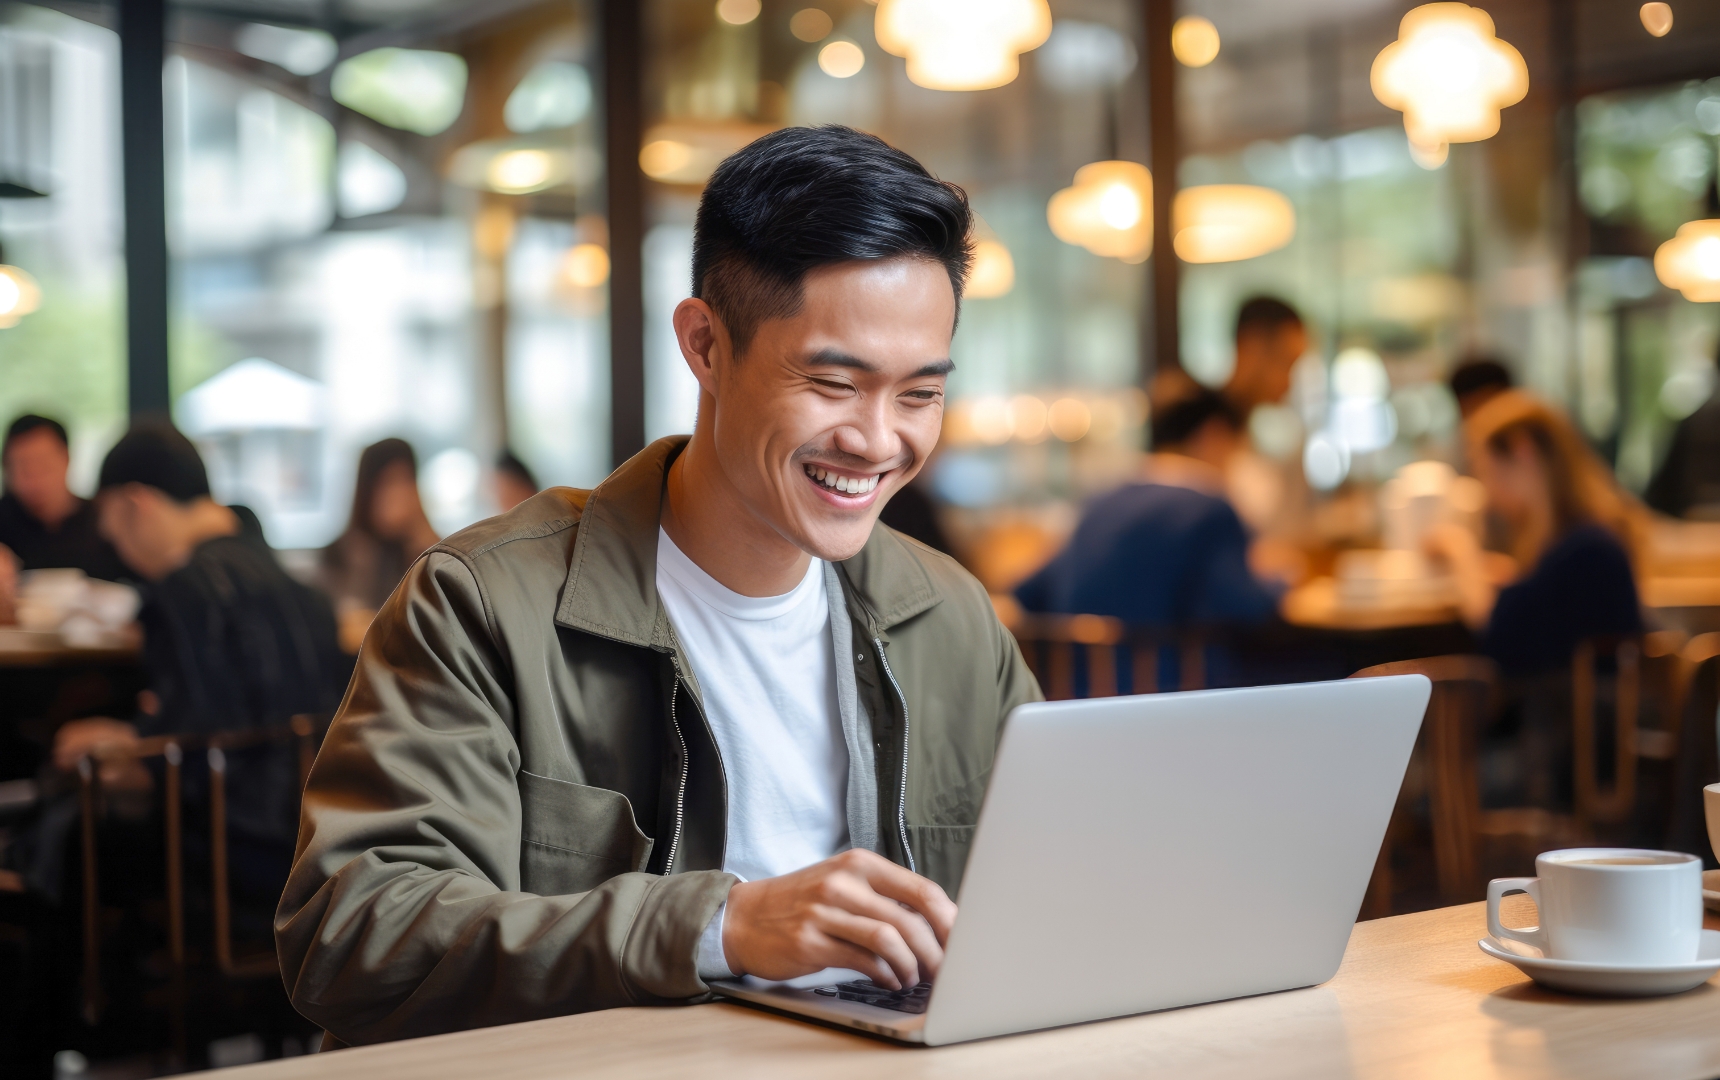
(1624,906)
(1711,803)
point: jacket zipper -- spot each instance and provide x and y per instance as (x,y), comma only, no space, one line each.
(681,791)
(902,795)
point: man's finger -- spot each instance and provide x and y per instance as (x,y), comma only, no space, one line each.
(879,938)
(922,894)
(855,896)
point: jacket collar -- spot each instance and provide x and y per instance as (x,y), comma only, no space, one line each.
(611,587)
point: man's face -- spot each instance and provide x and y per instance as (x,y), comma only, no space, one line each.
(1264,359)
(136,520)
(36,464)
(831,411)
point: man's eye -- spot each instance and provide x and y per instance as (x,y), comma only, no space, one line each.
(924,395)
(832,384)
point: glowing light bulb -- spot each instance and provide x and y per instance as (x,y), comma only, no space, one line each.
(841,59)
(585,266)
(1690,261)
(1105,210)
(993,272)
(961,44)
(518,172)
(1194,41)
(1449,75)
(1228,222)
(1656,18)
(19,295)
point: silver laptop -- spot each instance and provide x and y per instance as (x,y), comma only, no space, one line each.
(1143,853)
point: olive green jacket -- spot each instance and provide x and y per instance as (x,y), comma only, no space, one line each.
(519,810)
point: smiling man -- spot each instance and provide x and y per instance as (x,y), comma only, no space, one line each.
(708,718)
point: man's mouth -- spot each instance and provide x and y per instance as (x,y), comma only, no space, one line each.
(851,486)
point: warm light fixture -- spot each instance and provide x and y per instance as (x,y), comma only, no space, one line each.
(1657,18)
(519,172)
(738,12)
(810,24)
(1227,222)
(993,272)
(1069,419)
(1194,41)
(585,266)
(1108,210)
(841,59)
(1449,75)
(19,295)
(962,44)
(1690,261)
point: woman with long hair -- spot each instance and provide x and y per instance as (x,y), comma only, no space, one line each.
(1572,532)
(387,531)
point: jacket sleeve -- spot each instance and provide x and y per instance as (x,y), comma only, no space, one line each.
(403,915)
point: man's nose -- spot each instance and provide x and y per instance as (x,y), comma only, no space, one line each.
(869,434)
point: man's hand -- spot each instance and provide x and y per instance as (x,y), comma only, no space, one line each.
(79,737)
(854,910)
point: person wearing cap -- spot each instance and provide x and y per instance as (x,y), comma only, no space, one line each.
(230,640)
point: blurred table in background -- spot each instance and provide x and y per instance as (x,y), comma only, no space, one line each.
(45,681)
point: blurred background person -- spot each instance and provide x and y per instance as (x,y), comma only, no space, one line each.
(1476,381)
(387,531)
(1572,532)
(1270,338)
(230,643)
(514,482)
(42,524)
(1687,484)
(1168,550)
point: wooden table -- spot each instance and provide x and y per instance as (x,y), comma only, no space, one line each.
(1414,998)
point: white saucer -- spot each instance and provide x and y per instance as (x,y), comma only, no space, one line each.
(1711,889)
(1609,980)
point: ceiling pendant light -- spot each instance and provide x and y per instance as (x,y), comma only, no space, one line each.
(1108,210)
(19,295)
(1228,222)
(961,44)
(1690,261)
(1449,75)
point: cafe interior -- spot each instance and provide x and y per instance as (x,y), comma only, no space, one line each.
(1342,266)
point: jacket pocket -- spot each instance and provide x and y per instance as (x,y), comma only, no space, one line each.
(941,852)
(574,837)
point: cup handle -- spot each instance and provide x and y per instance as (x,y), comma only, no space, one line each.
(1496,890)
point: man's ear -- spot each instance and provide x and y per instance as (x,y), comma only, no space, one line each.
(704,340)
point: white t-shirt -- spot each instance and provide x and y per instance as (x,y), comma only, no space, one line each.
(766,668)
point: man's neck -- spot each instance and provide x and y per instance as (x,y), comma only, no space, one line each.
(707,519)
(53,511)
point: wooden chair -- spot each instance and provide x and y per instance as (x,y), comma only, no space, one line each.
(1056,647)
(303,732)
(1445,766)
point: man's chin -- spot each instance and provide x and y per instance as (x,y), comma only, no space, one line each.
(836,544)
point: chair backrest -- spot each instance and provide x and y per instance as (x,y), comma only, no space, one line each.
(1465,694)
(303,733)
(1079,655)
(1648,677)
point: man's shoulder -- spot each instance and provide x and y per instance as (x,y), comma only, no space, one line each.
(552,514)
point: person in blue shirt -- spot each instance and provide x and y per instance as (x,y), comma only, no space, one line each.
(1572,533)
(1167,550)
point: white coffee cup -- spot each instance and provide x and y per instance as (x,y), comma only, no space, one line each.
(1621,906)
(1711,803)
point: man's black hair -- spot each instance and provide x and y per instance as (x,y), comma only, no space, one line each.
(1179,421)
(510,463)
(30,422)
(1265,314)
(1480,373)
(801,198)
(156,454)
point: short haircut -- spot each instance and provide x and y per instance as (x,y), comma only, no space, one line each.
(802,198)
(1265,314)
(1480,373)
(1178,422)
(154,453)
(30,423)
(510,464)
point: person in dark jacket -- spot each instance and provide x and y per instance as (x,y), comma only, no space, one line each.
(1168,550)
(231,642)
(43,525)
(1571,532)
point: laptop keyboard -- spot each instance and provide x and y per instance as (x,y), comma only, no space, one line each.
(912,1000)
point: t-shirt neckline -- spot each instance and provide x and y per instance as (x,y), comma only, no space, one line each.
(708,590)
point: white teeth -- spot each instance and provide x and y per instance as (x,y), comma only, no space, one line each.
(848,485)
